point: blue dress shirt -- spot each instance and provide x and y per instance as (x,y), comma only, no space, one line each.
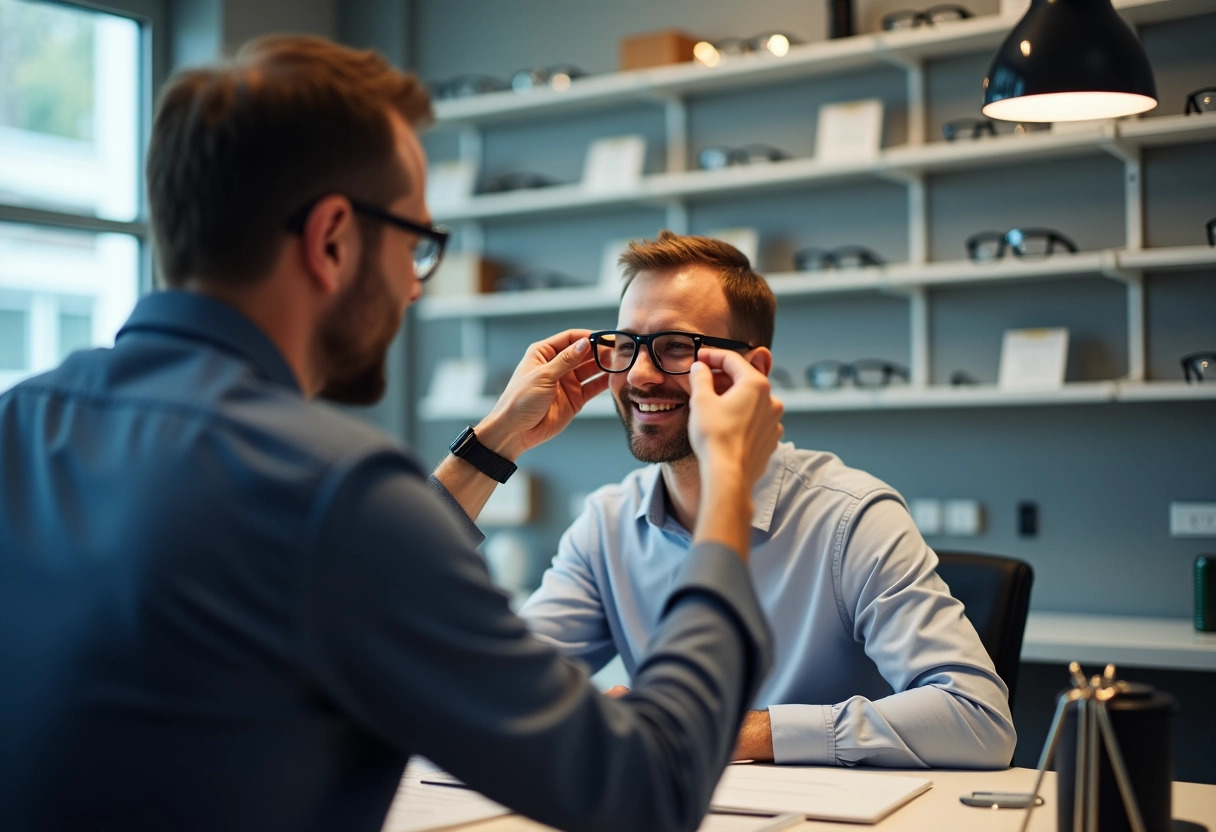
(223,607)
(875,661)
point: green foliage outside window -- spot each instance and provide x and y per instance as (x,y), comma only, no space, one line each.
(46,69)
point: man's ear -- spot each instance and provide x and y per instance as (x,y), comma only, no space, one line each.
(762,359)
(330,242)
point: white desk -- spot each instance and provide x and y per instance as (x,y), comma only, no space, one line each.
(939,809)
(1126,640)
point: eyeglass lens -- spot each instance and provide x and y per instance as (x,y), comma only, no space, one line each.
(1202,101)
(674,353)
(1197,365)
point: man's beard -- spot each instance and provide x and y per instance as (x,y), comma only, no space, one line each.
(654,443)
(353,339)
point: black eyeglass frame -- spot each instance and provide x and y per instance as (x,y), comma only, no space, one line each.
(698,341)
(436,233)
(852,370)
(1210,225)
(923,17)
(1004,241)
(748,154)
(814,259)
(958,128)
(1192,101)
(1192,365)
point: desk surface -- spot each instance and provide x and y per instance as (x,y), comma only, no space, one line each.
(939,808)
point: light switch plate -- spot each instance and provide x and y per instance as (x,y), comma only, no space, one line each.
(927,515)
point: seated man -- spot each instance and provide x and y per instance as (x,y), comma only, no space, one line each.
(875,662)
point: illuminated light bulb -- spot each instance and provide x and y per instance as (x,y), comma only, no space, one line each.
(706,53)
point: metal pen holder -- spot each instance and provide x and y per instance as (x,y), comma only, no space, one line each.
(1093,721)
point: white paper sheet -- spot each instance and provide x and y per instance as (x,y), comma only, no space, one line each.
(418,806)
(839,794)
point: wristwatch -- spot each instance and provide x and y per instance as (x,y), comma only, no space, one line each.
(467,447)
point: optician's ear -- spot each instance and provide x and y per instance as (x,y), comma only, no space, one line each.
(330,242)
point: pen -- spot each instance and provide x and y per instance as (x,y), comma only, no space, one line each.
(455,784)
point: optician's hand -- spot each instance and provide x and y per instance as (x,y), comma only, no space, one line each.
(733,432)
(555,378)
(737,427)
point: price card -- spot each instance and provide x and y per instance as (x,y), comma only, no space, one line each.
(614,163)
(1033,358)
(849,130)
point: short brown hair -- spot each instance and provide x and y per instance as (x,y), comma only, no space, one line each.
(238,147)
(753,306)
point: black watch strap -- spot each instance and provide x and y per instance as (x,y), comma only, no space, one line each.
(467,447)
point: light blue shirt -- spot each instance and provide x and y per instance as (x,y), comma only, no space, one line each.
(875,661)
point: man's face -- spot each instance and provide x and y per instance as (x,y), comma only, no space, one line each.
(354,337)
(653,405)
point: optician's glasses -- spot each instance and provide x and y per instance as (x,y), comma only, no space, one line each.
(867,373)
(1196,365)
(910,18)
(842,257)
(1201,101)
(1211,227)
(432,239)
(672,352)
(1023,242)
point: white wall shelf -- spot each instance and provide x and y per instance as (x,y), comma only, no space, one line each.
(805,400)
(895,277)
(903,163)
(1127,641)
(812,60)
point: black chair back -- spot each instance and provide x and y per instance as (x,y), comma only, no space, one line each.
(996,593)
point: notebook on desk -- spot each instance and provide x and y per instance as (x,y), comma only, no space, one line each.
(837,794)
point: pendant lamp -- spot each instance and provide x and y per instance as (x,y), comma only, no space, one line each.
(1069,60)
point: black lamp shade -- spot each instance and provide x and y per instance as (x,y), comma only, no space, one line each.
(1069,60)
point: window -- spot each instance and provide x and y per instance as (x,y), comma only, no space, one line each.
(75,92)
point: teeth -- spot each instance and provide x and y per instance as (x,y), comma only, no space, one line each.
(655,408)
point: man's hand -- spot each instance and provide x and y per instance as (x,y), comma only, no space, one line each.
(733,429)
(552,382)
(755,738)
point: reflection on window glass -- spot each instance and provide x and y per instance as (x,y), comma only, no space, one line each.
(69,97)
(70,289)
(13,339)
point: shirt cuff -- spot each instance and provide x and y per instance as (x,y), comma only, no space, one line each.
(441,491)
(803,734)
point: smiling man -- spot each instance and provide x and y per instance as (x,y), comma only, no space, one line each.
(876,663)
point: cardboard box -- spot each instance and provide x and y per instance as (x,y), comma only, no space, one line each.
(463,273)
(656,49)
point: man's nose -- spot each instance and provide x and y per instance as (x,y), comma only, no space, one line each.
(644,373)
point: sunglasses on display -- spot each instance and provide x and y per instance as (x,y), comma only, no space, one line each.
(868,373)
(1023,242)
(774,43)
(1201,101)
(910,18)
(842,257)
(1198,366)
(720,156)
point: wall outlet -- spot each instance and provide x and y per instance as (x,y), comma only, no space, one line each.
(927,515)
(963,518)
(1192,519)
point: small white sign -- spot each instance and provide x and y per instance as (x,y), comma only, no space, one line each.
(614,163)
(1033,358)
(611,272)
(747,240)
(458,380)
(450,183)
(849,130)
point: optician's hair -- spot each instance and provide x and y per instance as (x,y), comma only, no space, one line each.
(752,304)
(239,147)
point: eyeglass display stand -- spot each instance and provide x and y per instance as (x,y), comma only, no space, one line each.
(1090,698)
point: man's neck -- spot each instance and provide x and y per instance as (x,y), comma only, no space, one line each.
(682,479)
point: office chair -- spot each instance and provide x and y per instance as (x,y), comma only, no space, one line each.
(995,591)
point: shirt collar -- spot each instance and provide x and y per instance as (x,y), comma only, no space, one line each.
(653,502)
(198,317)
